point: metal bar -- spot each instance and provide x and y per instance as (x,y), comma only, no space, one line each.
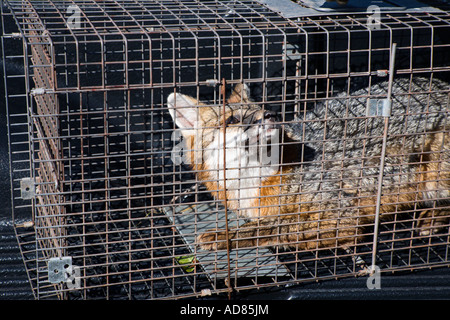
(225,200)
(382,161)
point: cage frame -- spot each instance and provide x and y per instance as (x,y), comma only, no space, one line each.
(45,153)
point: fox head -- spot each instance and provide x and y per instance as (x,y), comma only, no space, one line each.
(244,140)
(247,127)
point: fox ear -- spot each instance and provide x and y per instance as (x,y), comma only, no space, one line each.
(241,93)
(184,110)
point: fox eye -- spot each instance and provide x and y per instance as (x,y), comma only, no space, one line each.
(232,120)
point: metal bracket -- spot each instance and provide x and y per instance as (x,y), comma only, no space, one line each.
(59,269)
(379,107)
(27,188)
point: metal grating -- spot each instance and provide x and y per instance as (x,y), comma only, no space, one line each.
(96,166)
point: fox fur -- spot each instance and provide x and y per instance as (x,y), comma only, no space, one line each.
(325,199)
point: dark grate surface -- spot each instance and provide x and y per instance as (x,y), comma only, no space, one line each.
(14,282)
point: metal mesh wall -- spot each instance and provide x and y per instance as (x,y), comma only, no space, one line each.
(105,206)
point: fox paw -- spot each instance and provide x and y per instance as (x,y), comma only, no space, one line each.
(428,230)
(215,240)
(431,226)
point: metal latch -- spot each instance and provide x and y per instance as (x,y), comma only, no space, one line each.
(59,269)
(37,91)
(27,188)
(379,107)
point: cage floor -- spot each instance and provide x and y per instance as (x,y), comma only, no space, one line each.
(149,259)
(191,220)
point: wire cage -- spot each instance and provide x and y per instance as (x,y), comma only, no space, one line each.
(104,97)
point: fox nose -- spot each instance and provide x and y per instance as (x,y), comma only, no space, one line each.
(262,116)
(270,115)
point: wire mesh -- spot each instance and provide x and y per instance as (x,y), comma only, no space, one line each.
(90,122)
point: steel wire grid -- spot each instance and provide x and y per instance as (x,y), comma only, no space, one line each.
(93,150)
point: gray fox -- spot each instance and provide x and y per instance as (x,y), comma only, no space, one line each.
(319,189)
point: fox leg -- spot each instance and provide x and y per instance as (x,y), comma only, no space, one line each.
(432,221)
(288,232)
(254,233)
